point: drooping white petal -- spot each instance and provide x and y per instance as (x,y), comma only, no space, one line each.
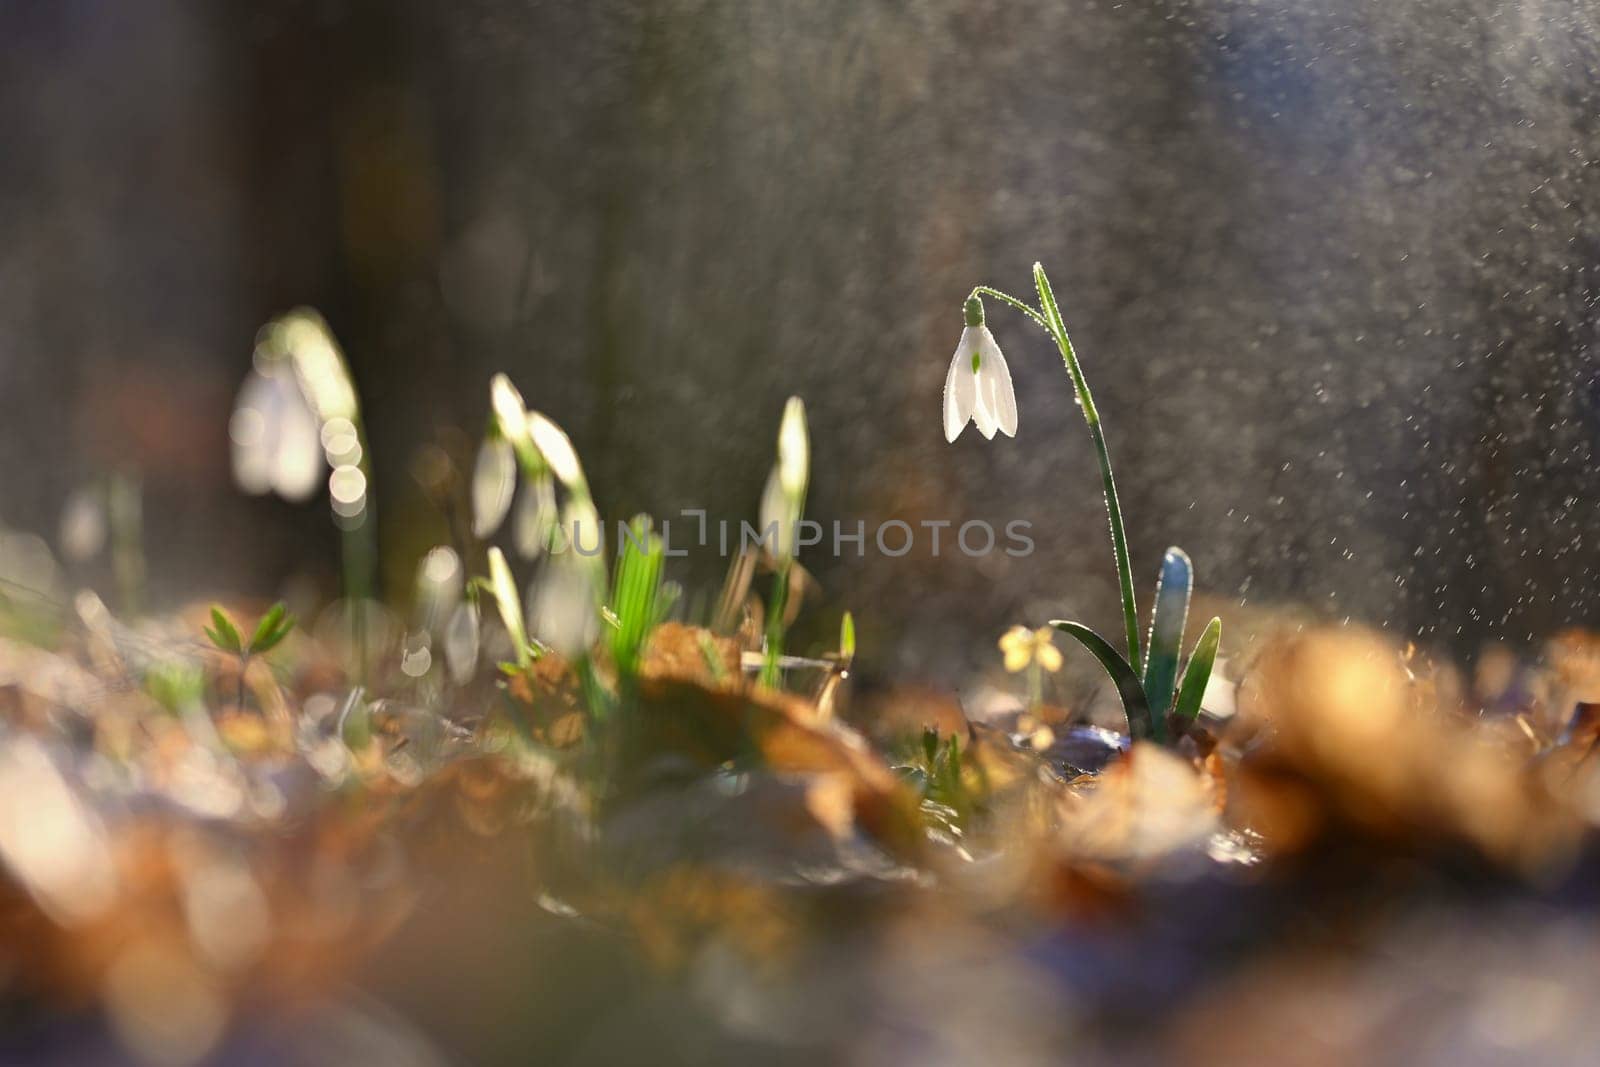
(995,393)
(494,478)
(298,460)
(1005,395)
(960,392)
(276,445)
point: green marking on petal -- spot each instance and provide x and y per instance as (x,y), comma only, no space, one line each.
(977,361)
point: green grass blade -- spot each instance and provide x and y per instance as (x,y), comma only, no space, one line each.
(1141,724)
(1198,671)
(1167,620)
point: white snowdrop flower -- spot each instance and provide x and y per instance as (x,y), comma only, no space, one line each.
(564,614)
(461,639)
(536,517)
(276,439)
(508,407)
(494,480)
(556,448)
(84,525)
(978,385)
(777,518)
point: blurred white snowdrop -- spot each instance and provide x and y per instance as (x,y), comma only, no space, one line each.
(494,481)
(305,339)
(50,841)
(275,441)
(556,448)
(296,415)
(565,613)
(83,525)
(565,603)
(783,499)
(461,641)
(440,583)
(977,388)
(508,407)
(537,518)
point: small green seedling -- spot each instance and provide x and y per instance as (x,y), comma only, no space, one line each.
(269,633)
(987,399)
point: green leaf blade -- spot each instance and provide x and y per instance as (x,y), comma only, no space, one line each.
(1141,724)
(224,634)
(1198,673)
(267,634)
(1167,620)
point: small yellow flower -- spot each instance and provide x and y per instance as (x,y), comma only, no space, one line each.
(1023,647)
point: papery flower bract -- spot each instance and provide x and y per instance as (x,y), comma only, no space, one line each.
(1023,647)
(977,387)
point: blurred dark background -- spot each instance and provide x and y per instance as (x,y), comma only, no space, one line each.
(1331,268)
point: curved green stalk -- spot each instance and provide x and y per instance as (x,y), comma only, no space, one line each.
(1119,537)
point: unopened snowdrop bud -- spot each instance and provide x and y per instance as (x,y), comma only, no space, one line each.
(461,640)
(777,516)
(977,388)
(794,449)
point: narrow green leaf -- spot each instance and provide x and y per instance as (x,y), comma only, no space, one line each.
(1198,672)
(226,634)
(713,659)
(273,639)
(1167,619)
(636,593)
(267,627)
(847,638)
(1141,724)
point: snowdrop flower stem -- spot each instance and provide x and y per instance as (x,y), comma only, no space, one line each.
(1011,301)
(1048,318)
